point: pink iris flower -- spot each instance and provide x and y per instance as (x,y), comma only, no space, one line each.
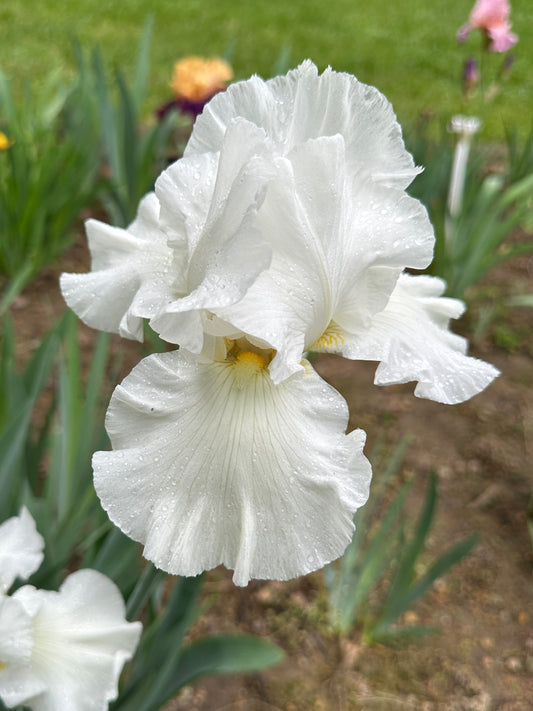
(491,17)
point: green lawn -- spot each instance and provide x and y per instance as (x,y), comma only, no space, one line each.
(407,48)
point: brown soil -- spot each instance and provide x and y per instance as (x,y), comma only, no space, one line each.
(481,451)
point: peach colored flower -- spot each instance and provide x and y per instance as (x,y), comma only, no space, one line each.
(197,79)
(194,82)
(491,17)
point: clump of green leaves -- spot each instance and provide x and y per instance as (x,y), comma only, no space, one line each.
(47,175)
(70,142)
(520,155)
(164,663)
(479,238)
(494,205)
(132,153)
(376,580)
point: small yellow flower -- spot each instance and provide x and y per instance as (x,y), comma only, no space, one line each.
(4,142)
(197,79)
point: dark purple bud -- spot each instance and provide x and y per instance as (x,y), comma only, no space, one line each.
(471,76)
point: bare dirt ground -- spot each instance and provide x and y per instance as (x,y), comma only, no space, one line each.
(481,451)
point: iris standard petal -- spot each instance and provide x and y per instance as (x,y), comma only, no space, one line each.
(294,296)
(339,244)
(213,463)
(21,549)
(81,642)
(130,277)
(411,340)
(302,105)
(185,190)
(228,253)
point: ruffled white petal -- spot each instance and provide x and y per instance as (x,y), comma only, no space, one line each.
(81,642)
(185,192)
(228,253)
(133,273)
(294,296)
(212,464)
(227,275)
(303,105)
(16,632)
(17,683)
(21,549)
(411,340)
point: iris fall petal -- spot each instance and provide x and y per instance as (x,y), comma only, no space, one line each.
(411,340)
(213,463)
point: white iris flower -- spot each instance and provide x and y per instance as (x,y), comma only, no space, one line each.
(59,650)
(341,231)
(287,229)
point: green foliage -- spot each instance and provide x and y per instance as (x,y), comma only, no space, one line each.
(520,155)
(163,665)
(376,580)
(66,508)
(477,242)
(507,337)
(22,449)
(132,155)
(71,141)
(47,176)
(435,155)
(494,205)
(45,456)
